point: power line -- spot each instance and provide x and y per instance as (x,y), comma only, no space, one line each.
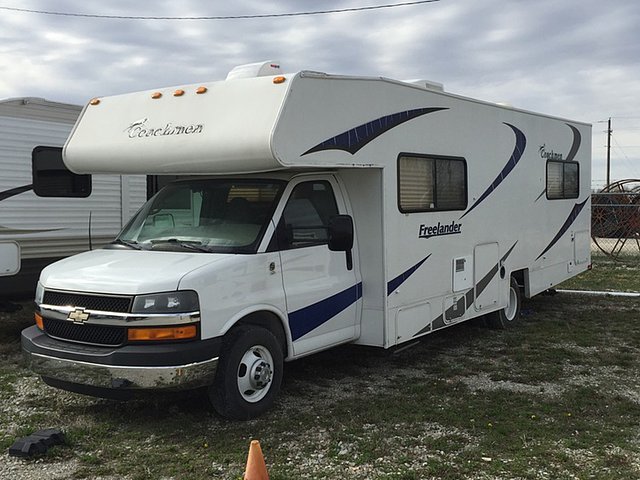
(220,17)
(628,162)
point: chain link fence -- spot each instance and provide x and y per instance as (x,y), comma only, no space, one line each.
(615,225)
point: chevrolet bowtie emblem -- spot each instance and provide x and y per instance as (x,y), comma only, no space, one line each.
(78,316)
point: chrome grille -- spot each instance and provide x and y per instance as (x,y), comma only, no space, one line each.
(106,335)
(88,302)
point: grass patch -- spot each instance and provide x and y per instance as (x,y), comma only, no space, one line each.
(558,397)
(607,274)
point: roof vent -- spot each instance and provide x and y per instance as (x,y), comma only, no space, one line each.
(428,84)
(251,70)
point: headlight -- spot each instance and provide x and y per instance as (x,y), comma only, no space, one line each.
(39,293)
(169,302)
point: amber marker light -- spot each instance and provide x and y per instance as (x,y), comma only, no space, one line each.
(94,101)
(162,333)
(201,90)
(156,95)
(39,322)
(178,93)
(278,80)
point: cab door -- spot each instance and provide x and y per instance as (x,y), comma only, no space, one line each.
(322,288)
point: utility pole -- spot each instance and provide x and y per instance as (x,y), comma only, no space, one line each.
(609,132)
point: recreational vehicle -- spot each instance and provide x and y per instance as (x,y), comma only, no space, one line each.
(62,215)
(317,210)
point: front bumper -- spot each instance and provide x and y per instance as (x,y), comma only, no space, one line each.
(175,366)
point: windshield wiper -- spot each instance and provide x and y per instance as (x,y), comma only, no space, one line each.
(198,247)
(128,243)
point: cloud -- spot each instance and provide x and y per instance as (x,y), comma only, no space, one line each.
(576,58)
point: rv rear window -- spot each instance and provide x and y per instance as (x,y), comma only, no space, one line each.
(431,183)
(562,180)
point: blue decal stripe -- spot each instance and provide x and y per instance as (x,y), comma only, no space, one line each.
(304,320)
(521,143)
(565,226)
(577,139)
(400,279)
(353,140)
(469,296)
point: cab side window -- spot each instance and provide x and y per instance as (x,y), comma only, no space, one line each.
(306,216)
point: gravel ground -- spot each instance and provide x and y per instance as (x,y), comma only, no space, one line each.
(19,469)
(400,446)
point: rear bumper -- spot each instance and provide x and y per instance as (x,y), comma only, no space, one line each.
(177,366)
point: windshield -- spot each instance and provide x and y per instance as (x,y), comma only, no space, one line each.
(204,216)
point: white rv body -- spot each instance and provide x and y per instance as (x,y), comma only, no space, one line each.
(417,265)
(47,229)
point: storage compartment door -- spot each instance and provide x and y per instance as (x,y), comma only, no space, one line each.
(582,247)
(486,279)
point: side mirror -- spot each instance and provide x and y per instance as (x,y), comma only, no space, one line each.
(340,233)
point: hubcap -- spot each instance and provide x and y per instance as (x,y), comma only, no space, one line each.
(260,375)
(255,372)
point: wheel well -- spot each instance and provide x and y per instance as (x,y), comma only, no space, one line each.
(521,277)
(271,322)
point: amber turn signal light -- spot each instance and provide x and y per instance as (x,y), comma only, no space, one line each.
(277,80)
(39,322)
(162,333)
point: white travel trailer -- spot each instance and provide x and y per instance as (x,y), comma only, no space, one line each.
(36,228)
(320,210)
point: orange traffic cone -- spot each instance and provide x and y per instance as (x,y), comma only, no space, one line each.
(256,468)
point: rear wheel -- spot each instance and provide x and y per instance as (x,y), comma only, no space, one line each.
(509,315)
(249,373)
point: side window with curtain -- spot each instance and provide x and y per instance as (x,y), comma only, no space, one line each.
(431,183)
(306,216)
(563,180)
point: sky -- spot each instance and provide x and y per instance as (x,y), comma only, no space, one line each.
(577,59)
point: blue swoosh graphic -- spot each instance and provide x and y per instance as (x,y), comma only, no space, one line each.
(540,196)
(565,226)
(577,139)
(308,318)
(353,140)
(521,143)
(400,279)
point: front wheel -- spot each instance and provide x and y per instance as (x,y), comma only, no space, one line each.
(509,315)
(249,373)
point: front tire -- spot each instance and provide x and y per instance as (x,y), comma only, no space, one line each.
(509,316)
(249,373)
